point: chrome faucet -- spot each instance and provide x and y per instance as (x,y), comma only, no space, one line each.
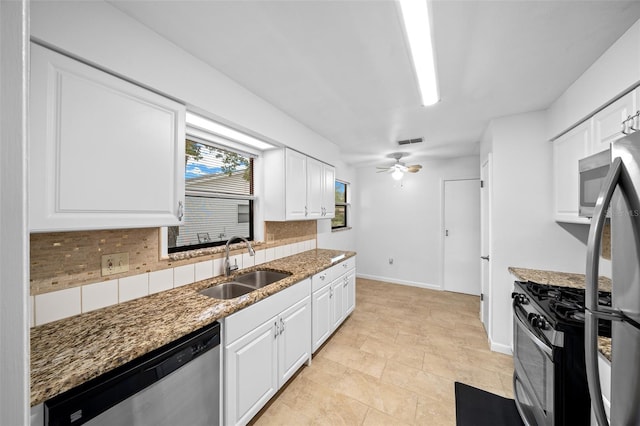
(227,265)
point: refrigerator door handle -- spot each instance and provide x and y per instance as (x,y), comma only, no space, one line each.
(591,296)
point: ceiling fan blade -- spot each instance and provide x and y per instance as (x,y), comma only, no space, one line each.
(414,169)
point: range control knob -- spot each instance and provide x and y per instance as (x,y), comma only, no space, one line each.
(520,298)
(537,321)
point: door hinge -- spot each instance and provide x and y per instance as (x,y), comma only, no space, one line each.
(481,297)
(481,184)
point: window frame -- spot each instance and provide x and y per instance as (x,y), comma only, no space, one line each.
(250,198)
(344,205)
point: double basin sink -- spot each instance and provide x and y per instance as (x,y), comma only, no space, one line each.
(243,284)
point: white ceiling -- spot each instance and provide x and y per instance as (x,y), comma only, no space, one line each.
(342,67)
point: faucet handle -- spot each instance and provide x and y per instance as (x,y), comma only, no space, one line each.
(234,267)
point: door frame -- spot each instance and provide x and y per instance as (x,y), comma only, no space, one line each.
(442,224)
(485,234)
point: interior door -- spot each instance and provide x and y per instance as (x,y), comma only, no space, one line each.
(462,236)
(485,240)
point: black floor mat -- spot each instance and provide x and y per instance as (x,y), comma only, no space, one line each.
(475,407)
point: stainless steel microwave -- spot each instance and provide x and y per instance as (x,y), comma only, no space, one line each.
(592,171)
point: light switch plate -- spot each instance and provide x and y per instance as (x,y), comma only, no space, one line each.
(115,263)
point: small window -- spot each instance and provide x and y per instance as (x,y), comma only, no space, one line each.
(342,207)
(218,198)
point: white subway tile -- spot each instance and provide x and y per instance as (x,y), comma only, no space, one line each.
(133,287)
(248,260)
(279,252)
(302,247)
(286,250)
(160,280)
(99,295)
(260,257)
(270,254)
(218,267)
(204,270)
(183,275)
(57,305)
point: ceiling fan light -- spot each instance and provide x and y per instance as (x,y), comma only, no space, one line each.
(397,174)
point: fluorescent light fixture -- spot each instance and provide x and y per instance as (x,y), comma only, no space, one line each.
(397,174)
(417,24)
(202,123)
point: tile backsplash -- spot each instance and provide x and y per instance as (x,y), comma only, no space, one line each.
(66,266)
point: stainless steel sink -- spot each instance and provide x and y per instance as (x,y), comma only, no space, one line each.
(243,284)
(259,279)
(229,290)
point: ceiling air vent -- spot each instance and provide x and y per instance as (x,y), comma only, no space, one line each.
(410,141)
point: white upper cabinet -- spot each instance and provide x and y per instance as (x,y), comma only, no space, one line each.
(328,191)
(567,151)
(314,189)
(104,153)
(607,124)
(297,186)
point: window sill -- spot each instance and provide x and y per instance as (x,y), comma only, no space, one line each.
(190,254)
(346,228)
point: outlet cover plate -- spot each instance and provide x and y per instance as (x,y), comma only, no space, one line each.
(115,263)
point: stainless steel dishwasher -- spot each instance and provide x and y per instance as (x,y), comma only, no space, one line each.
(177,384)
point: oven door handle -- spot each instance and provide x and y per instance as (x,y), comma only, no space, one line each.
(525,328)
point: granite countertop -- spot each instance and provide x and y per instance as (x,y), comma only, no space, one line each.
(562,279)
(73,350)
(565,279)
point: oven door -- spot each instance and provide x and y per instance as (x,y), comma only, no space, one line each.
(534,373)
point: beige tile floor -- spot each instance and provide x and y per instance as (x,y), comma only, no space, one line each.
(394,361)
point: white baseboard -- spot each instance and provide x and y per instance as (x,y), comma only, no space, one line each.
(397,281)
(499,347)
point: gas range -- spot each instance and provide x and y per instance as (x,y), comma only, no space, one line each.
(558,307)
(550,383)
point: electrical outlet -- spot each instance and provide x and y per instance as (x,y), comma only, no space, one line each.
(115,263)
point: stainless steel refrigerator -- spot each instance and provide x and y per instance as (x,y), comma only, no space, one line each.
(620,194)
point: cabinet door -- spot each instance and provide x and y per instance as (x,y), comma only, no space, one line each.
(314,188)
(322,320)
(607,124)
(104,153)
(294,341)
(349,292)
(337,294)
(295,185)
(567,150)
(329,191)
(251,377)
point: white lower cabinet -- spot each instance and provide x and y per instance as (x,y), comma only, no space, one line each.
(332,300)
(265,344)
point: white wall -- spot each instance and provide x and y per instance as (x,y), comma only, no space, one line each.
(524,233)
(613,74)
(405,223)
(14,237)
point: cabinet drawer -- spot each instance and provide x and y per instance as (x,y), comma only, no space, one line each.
(345,266)
(245,320)
(322,279)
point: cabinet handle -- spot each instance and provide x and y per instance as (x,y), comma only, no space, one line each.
(322,277)
(275,333)
(281,325)
(180,211)
(635,118)
(306,212)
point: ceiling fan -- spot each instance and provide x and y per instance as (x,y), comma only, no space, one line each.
(398,169)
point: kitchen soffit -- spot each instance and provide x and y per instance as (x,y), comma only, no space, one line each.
(342,67)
